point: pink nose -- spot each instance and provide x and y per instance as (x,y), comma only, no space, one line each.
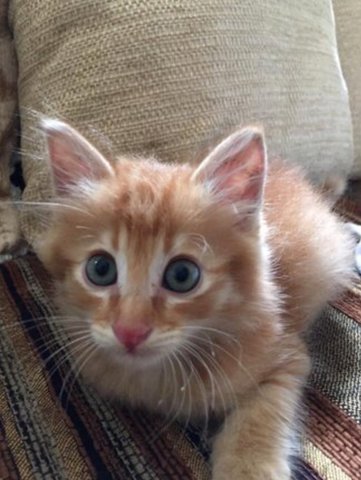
(131,337)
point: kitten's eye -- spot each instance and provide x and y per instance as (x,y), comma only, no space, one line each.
(181,276)
(101,270)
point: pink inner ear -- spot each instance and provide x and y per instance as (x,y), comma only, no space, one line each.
(68,166)
(241,177)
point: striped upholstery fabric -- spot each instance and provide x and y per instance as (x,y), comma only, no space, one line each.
(52,426)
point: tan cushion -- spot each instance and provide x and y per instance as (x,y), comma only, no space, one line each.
(348,25)
(166,77)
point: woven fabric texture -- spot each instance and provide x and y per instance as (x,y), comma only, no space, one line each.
(9,225)
(53,426)
(348,21)
(166,77)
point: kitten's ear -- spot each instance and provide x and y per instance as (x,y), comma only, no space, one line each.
(235,171)
(72,157)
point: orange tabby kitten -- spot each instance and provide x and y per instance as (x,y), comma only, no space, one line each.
(190,286)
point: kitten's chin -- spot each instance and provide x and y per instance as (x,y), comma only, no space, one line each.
(140,359)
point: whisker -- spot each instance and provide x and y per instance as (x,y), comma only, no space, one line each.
(211,329)
(91,350)
(69,352)
(213,394)
(221,375)
(165,425)
(182,390)
(69,357)
(234,358)
(42,346)
(202,389)
(24,324)
(201,242)
(50,205)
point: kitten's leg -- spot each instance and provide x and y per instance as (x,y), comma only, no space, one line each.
(255,442)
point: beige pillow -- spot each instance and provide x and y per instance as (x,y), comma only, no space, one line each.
(166,77)
(348,25)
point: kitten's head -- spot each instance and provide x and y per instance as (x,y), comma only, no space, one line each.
(152,259)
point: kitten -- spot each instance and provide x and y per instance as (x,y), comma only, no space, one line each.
(187,287)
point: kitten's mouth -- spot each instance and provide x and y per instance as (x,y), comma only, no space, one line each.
(142,355)
(138,351)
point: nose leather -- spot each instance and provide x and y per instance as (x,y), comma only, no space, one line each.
(131,337)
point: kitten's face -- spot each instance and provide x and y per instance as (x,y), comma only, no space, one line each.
(149,261)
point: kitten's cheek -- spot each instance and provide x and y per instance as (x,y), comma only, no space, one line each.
(103,337)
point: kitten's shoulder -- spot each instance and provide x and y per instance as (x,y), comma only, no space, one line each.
(287,183)
(311,248)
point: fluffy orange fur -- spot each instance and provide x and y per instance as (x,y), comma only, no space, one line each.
(271,254)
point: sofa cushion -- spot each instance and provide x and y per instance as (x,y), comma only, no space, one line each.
(348,21)
(166,78)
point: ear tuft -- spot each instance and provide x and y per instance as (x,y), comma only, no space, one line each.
(72,157)
(234,172)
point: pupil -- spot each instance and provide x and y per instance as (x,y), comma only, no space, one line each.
(181,274)
(102,266)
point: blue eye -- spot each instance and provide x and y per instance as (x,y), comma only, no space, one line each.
(101,270)
(181,275)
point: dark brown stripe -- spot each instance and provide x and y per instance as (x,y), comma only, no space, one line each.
(301,470)
(335,434)
(8,468)
(349,209)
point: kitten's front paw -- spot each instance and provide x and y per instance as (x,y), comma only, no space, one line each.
(252,470)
